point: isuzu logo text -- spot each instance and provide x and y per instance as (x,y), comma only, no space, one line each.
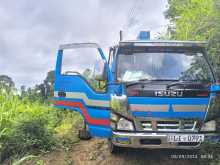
(169,93)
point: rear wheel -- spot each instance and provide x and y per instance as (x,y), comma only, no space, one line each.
(113,149)
(84,132)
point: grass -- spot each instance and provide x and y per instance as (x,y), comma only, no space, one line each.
(33,127)
(29,128)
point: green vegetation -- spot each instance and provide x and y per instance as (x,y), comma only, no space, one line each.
(29,125)
(32,127)
(196,20)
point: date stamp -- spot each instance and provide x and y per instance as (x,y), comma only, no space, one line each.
(191,156)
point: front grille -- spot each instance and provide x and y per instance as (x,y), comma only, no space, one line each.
(170,125)
(147,125)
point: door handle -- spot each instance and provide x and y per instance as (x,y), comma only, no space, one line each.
(61,94)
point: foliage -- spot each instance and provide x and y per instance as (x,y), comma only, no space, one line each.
(212,150)
(19,162)
(196,20)
(41,92)
(192,19)
(32,127)
(28,136)
(6,82)
(99,86)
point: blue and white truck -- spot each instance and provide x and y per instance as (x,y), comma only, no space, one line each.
(148,94)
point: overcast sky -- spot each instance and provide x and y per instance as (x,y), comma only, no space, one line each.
(30,30)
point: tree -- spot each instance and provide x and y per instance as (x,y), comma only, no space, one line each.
(50,77)
(23,91)
(49,83)
(46,88)
(6,82)
(196,20)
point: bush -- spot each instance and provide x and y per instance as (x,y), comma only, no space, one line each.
(28,136)
(212,153)
(31,127)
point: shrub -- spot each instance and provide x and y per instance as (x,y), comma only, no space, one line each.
(211,151)
(28,136)
(31,127)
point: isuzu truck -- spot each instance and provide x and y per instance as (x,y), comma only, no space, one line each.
(148,94)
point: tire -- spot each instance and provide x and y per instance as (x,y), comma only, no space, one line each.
(113,149)
(84,134)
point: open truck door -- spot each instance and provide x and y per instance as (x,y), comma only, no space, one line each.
(81,74)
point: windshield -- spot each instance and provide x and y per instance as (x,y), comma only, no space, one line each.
(178,66)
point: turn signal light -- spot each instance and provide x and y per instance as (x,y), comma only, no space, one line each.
(204,94)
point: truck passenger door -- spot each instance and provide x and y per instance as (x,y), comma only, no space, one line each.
(80,85)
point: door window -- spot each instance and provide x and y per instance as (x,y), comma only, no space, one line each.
(82,61)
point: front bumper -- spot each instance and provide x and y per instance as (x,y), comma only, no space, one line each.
(155,140)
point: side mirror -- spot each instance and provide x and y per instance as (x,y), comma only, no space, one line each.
(100,70)
(215,88)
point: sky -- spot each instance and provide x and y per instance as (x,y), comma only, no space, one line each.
(31,31)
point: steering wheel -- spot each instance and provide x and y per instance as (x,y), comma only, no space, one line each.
(72,73)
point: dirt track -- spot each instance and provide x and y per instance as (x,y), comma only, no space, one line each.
(95,152)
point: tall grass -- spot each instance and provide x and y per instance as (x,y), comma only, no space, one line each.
(31,127)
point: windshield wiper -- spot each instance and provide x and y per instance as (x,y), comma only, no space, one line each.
(182,83)
(144,81)
(140,81)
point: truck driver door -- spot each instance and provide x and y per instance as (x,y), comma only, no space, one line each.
(81,74)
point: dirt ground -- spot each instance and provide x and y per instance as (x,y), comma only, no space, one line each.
(95,152)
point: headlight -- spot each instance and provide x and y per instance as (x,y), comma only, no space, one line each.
(209,126)
(124,124)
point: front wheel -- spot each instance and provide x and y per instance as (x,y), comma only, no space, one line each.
(84,132)
(113,149)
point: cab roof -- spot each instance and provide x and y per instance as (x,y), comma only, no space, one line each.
(163,43)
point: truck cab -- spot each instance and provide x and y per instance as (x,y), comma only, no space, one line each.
(148,94)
